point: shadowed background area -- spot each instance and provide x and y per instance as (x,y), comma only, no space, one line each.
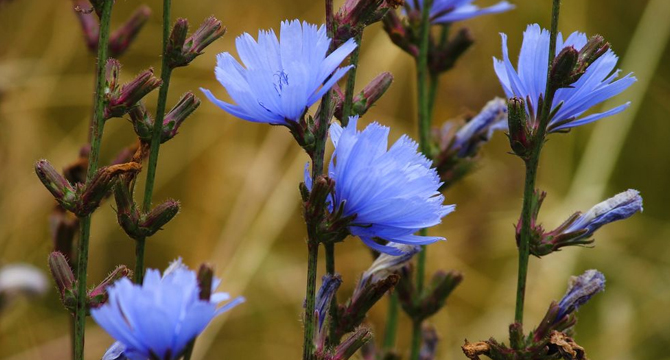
(238,182)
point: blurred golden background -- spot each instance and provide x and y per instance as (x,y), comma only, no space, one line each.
(237,182)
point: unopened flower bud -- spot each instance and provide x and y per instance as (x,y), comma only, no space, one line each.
(355,15)
(120,103)
(89,24)
(121,39)
(177,38)
(520,134)
(443,59)
(580,290)
(159,216)
(100,185)
(364,100)
(399,35)
(142,122)
(61,273)
(594,48)
(63,226)
(492,117)
(205,281)
(563,66)
(354,342)
(127,214)
(173,120)
(60,188)
(435,295)
(182,50)
(98,296)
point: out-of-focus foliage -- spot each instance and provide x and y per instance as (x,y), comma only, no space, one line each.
(237,183)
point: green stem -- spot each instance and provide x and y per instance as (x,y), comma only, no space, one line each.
(166,72)
(391,322)
(330,269)
(424,101)
(310,303)
(416,340)
(85,222)
(531,172)
(351,82)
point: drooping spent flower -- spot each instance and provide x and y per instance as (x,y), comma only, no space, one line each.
(279,79)
(595,78)
(391,193)
(448,11)
(619,207)
(160,317)
(580,290)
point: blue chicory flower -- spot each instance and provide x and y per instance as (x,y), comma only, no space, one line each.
(393,192)
(279,79)
(529,81)
(448,11)
(580,290)
(160,317)
(618,207)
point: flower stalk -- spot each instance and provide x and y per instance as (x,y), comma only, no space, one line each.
(531,172)
(94,155)
(166,72)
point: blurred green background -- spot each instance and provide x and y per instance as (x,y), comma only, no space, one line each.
(237,182)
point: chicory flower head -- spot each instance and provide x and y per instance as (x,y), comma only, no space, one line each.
(279,79)
(393,193)
(160,317)
(448,11)
(529,80)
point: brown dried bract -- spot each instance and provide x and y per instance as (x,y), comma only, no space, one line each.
(473,350)
(567,347)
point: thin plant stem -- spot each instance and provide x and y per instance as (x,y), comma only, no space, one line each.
(351,82)
(391,322)
(422,73)
(330,269)
(85,222)
(416,340)
(166,72)
(531,172)
(310,303)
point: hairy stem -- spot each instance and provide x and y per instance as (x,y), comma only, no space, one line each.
(531,172)
(96,140)
(310,302)
(166,72)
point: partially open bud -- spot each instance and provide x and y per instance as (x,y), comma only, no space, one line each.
(182,50)
(127,214)
(324,299)
(98,296)
(121,102)
(173,120)
(386,265)
(355,15)
(121,39)
(60,188)
(142,122)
